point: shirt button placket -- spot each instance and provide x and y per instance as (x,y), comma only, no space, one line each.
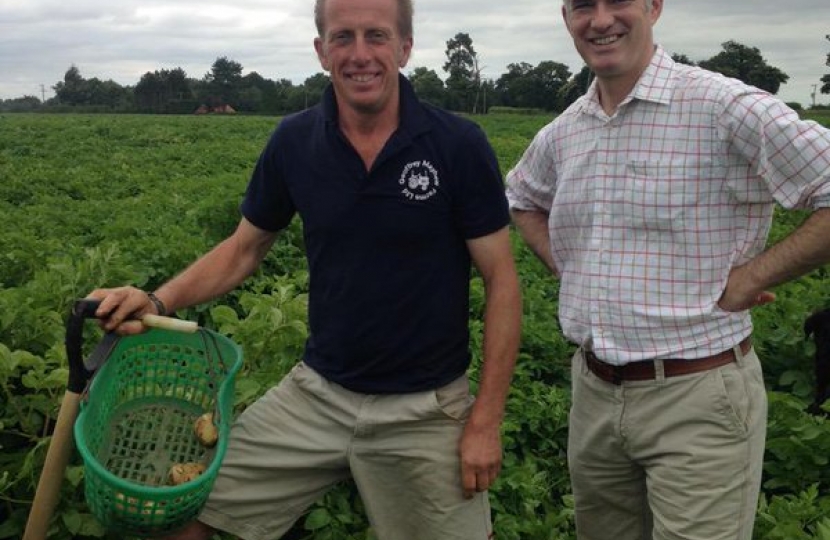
(603,228)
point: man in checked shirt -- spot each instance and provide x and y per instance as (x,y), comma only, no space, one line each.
(651,198)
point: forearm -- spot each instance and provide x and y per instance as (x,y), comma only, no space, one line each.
(502,333)
(533,228)
(208,277)
(804,250)
(216,273)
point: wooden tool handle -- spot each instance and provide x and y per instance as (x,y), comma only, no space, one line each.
(51,478)
(169,323)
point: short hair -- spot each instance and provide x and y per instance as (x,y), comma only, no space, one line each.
(404,17)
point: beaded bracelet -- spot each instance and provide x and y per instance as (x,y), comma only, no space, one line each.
(160,308)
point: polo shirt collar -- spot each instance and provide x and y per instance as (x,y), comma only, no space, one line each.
(412,119)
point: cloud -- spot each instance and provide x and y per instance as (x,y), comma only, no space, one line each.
(41,39)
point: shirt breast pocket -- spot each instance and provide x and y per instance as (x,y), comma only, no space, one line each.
(660,196)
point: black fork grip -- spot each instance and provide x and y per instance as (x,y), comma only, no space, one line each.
(78,374)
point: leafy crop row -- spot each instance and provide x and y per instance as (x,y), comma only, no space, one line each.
(102,200)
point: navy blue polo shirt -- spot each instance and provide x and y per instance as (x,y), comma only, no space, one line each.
(388,264)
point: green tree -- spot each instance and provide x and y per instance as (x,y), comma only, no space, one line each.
(149,92)
(682,59)
(514,85)
(108,94)
(276,102)
(252,91)
(76,91)
(487,95)
(747,64)
(314,87)
(534,87)
(428,86)
(259,94)
(157,91)
(464,73)
(307,94)
(224,81)
(21,104)
(576,87)
(72,90)
(549,77)
(825,80)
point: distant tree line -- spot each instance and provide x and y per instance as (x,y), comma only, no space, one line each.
(547,86)
(825,80)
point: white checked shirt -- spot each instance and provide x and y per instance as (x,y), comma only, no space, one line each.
(650,208)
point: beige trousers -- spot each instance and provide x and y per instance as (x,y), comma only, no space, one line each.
(306,434)
(669,459)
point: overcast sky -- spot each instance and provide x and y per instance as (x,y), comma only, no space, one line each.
(123,39)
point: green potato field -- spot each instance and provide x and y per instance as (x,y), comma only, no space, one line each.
(91,201)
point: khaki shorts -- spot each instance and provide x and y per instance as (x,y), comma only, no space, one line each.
(307,434)
(671,458)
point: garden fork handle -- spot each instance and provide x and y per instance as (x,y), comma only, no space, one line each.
(63,439)
(51,478)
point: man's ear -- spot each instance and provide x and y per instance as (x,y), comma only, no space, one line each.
(565,17)
(321,53)
(406,50)
(656,10)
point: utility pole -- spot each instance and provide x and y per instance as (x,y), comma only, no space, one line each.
(42,94)
(813,95)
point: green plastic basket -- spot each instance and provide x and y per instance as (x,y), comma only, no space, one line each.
(137,422)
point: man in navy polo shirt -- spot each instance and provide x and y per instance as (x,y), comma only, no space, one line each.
(397,200)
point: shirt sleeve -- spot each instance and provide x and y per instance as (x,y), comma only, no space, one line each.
(267,202)
(482,207)
(531,183)
(790,155)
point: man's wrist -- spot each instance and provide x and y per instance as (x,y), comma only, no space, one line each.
(161,309)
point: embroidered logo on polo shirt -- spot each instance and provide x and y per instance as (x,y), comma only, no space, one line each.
(419,181)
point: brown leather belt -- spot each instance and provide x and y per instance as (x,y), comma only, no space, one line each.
(645,371)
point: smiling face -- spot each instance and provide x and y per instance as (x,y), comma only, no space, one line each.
(614,37)
(362,48)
